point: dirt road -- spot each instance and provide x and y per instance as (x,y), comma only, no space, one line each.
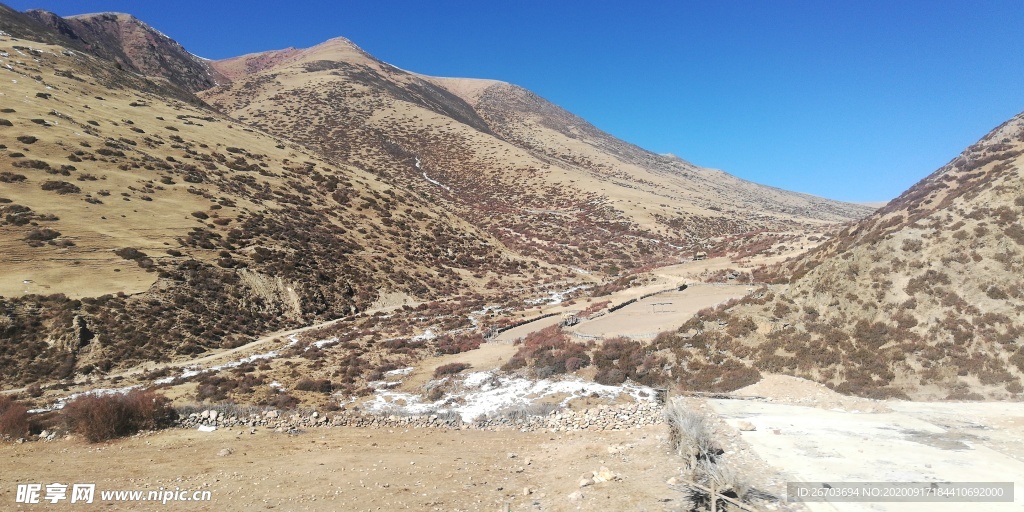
(914,442)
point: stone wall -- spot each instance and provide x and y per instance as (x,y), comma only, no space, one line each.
(603,417)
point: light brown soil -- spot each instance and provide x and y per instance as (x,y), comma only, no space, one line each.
(360,469)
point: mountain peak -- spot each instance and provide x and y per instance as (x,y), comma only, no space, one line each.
(134,45)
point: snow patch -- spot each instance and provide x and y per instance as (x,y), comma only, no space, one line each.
(556,297)
(488,392)
(61,402)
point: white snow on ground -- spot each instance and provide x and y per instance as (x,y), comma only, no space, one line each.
(474,315)
(427,335)
(556,297)
(192,371)
(435,182)
(323,343)
(401,371)
(488,392)
(61,402)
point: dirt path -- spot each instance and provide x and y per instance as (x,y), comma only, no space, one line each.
(837,440)
(662,312)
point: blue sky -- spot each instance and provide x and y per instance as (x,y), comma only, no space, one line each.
(853,100)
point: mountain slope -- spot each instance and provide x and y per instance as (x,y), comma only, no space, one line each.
(133,45)
(924,299)
(545,182)
(135,226)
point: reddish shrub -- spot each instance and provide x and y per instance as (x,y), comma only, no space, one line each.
(319,385)
(13,418)
(549,352)
(100,418)
(449,369)
(456,345)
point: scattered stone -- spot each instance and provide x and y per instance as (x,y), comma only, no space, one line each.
(224,452)
(586,482)
(604,475)
(576,497)
(746,426)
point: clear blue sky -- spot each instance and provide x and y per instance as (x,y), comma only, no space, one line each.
(854,100)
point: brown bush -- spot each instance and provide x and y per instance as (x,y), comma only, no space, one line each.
(103,417)
(457,344)
(61,187)
(319,385)
(13,418)
(549,352)
(450,369)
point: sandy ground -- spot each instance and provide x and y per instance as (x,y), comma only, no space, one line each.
(662,312)
(358,469)
(828,437)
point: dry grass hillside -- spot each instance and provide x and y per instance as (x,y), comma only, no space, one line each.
(540,179)
(923,299)
(134,226)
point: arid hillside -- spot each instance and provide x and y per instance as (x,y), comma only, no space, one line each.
(542,180)
(924,299)
(135,226)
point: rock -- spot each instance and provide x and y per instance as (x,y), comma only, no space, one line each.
(746,426)
(576,497)
(224,452)
(586,482)
(604,475)
(273,414)
(672,481)
(527,491)
(511,455)
(315,415)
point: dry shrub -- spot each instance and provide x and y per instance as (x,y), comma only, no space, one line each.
(103,417)
(689,434)
(457,344)
(449,369)
(319,385)
(549,352)
(13,418)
